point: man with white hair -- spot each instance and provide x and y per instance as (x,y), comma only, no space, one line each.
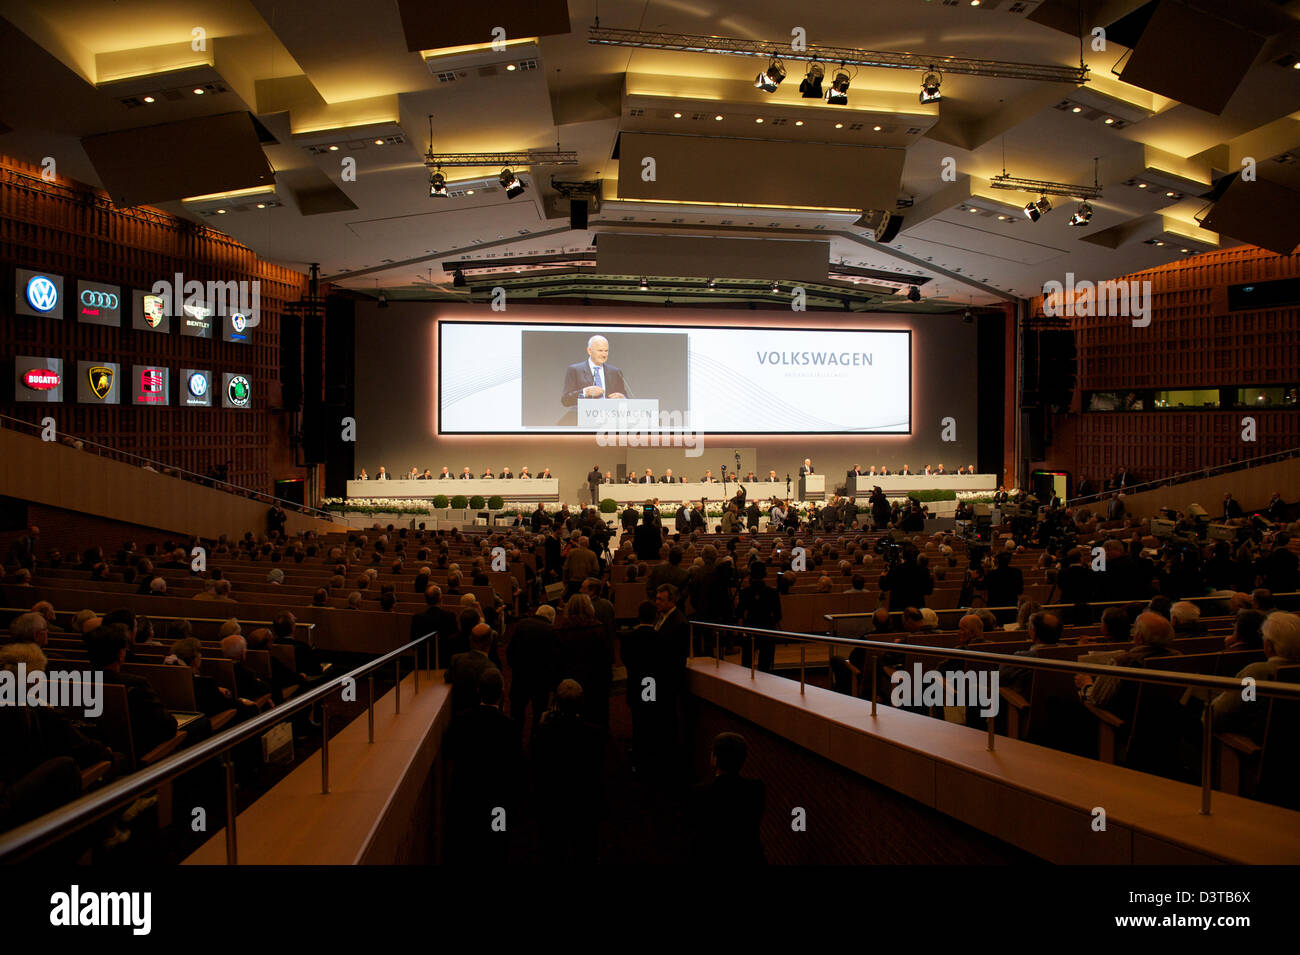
(1281,633)
(1186,618)
(30,628)
(46,610)
(248,684)
(595,377)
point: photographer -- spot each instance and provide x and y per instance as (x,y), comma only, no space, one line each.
(907,583)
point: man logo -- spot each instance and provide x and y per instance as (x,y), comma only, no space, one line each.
(239,391)
(154,307)
(238,322)
(101,381)
(92,298)
(42,379)
(198,384)
(42,294)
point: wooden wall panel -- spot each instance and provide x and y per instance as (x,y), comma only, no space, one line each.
(74,231)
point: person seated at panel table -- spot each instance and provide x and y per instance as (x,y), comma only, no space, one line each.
(363,476)
(668,477)
(413,474)
(445,475)
(382,475)
(771,476)
(871,472)
(928,470)
(708,478)
(632,478)
(970,469)
(506,475)
(683,479)
(487,475)
(884,471)
(467,475)
(545,475)
(906,470)
(608,478)
(750,476)
(962,469)
(427,475)
(648,477)
(523,474)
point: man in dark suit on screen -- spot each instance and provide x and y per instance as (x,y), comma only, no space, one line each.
(594,378)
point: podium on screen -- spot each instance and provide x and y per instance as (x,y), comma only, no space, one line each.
(618,414)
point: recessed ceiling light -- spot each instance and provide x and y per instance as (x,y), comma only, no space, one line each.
(469,192)
(1296,65)
(1184,250)
(1109,121)
(718,117)
(758,119)
(221,212)
(334,149)
(261,205)
(1170,195)
(148,99)
(1159,243)
(876,128)
(798,122)
(677,115)
(198,91)
(379,142)
(1002,218)
(974,3)
(510,68)
(839,125)
(972,209)
(1077,109)
(1142,185)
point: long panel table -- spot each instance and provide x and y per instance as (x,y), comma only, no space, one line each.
(760,491)
(861,485)
(515,489)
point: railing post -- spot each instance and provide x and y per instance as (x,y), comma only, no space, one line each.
(803,651)
(717,647)
(324,748)
(416,671)
(875,675)
(232,842)
(1207,759)
(370,707)
(753,655)
(397,687)
(437,650)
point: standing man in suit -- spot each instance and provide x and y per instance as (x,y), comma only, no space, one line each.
(806,467)
(593,483)
(724,815)
(593,378)
(466,670)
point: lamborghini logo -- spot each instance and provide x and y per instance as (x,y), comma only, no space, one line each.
(101,381)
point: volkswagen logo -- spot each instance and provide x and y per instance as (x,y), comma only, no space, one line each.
(93,298)
(42,294)
(198,384)
(239,391)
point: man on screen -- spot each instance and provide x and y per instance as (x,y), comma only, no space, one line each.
(593,378)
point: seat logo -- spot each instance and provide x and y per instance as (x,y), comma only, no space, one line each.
(239,391)
(151,380)
(101,381)
(92,298)
(42,294)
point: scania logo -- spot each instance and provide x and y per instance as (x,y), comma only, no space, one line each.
(93,298)
(198,384)
(239,391)
(42,379)
(101,380)
(42,294)
(238,322)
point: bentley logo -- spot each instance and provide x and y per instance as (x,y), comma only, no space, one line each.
(101,381)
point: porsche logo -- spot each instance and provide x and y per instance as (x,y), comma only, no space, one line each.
(101,381)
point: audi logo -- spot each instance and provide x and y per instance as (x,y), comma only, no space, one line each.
(91,298)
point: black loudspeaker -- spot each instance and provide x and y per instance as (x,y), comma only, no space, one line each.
(1033,425)
(577,213)
(892,225)
(1056,368)
(313,403)
(340,332)
(291,361)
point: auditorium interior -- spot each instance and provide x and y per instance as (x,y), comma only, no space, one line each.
(891,413)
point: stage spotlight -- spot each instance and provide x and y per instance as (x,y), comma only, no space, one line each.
(1035,210)
(644,284)
(930,88)
(838,94)
(510,183)
(458,279)
(968,317)
(914,294)
(1082,215)
(771,78)
(811,87)
(437,186)
(383,300)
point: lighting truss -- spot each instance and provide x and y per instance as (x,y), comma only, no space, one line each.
(849,56)
(1044,188)
(536,157)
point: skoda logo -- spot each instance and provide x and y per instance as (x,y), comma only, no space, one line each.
(198,384)
(238,322)
(239,391)
(42,294)
(92,298)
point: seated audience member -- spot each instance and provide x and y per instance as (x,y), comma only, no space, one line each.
(151,724)
(46,610)
(354,600)
(210,697)
(486,771)
(1247,631)
(282,677)
(1186,618)
(1044,631)
(30,628)
(725,814)
(251,687)
(1153,636)
(1281,638)
(436,619)
(466,670)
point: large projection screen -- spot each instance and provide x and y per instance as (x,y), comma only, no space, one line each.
(517,378)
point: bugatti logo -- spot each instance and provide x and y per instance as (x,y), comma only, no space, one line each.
(151,380)
(42,379)
(101,381)
(92,298)
(42,294)
(238,322)
(239,391)
(198,384)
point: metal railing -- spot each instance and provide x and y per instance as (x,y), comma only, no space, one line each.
(44,831)
(1289,691)
(1186,476)
(171,470)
